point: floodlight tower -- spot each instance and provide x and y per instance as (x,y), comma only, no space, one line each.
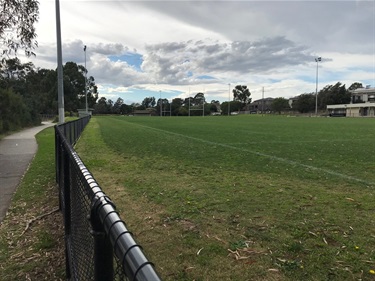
(317,60)
(87,110)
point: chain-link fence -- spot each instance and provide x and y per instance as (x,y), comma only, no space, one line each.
(98,244)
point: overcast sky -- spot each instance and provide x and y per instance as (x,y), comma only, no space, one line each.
(139,49)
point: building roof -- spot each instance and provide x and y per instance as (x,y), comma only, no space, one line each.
(363,91)
(265,99)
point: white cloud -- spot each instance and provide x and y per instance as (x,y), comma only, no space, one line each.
(269,44)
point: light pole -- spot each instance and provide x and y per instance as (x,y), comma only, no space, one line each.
(60,81)
(317,60)
(229,99)
(87,110)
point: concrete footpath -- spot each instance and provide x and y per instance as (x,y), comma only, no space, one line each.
(16,152)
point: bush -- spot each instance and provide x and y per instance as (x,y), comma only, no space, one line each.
(14,113)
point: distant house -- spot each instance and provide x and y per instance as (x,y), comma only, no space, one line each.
(262,105)
(362,104)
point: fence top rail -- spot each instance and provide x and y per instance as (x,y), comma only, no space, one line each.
(103,211)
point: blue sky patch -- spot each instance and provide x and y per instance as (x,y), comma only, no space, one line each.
(205,77)
(133,59)
(275,80)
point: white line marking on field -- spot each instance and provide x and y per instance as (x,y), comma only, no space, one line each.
(339,141)
(283,160)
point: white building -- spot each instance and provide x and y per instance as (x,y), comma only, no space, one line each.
(362,104)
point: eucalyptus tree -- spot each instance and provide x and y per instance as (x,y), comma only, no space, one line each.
(305,103)
(117,106)
(149,102)
(333,94)
(177,103)
(17,27)
(74,87)
(355,85)
(199,99)
(241,93)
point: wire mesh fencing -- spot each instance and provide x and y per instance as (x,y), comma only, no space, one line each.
(98,246)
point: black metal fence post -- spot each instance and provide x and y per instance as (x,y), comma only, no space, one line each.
(103,250)
(67,210)
(57,163)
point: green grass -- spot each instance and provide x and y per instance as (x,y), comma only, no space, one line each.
(35,252)
(242,198)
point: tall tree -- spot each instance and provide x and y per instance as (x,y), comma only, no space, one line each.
(176,105)
(279,104)
(74,87)
(188,102)
(17,30)
(333,94)
(41,88)
(126,109)
(149,102)
(305,103)
(11,69)
(242,94)
(355,85)
(165,107)
(101,106)
(199,99)
(92,93)
(214,106)
(117,106)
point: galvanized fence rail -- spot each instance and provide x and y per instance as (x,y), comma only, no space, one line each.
(98,246)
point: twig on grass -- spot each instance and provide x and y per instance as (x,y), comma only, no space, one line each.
(29,222)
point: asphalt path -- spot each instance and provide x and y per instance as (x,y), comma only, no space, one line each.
(16,153)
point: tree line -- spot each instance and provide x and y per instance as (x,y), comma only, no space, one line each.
(26,92)
(330,94)
(241,99)
(196,105)
(193,106)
